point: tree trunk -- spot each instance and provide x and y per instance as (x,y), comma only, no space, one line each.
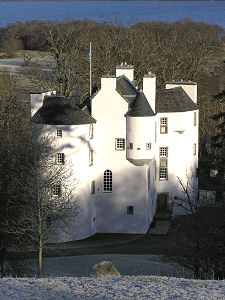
(40,235)
(196,269)
(40,258)
(3,262)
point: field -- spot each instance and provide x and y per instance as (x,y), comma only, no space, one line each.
(109,287)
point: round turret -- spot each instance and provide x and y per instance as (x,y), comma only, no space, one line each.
(140,128)
(140,138)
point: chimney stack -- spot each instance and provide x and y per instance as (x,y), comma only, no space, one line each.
(37,97)
(108,82)
(190,88)
(149,88)
(125,69)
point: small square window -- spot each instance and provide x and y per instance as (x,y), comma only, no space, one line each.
(60,158)
(148,146)
(130,210)
(163,125)
(59,132)
(91,157)
(93,187)
(131,146)
(120,144)
(56,190)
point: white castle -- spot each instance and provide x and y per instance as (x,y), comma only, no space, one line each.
(127,152)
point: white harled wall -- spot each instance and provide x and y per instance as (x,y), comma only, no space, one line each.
(132,185)
(180,140)
(140,130)
(129,181)
(75,144)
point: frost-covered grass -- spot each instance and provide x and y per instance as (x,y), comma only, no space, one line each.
(109,287)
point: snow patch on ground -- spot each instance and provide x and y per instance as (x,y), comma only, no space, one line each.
(110,287)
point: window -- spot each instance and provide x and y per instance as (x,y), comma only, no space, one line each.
(195,118)
(163,151)
(120,144)
(148,146)
(163,163)
(162,173)
(130,210)
(60,158)
(59,132)
(163,125)
(91,156)
(93,187)
(91,131)
(194,149)
(56,190)
(131,146)
(107,181)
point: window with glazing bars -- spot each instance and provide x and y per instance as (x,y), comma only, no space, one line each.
(107,181)
(163,151)
(59,132)
(163,157)
(163,125)
(148,146)
(120,144)
(162,173)
(60,158)
(56,190)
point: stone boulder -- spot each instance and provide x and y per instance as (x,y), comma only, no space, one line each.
(104,268)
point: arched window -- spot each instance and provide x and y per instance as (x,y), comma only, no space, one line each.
(107,181)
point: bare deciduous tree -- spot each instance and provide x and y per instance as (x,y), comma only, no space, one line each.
(201,233)
(52,194)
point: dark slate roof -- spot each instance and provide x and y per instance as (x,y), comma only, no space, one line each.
(126,88)
(140,107)
(174,100)
(58,110)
